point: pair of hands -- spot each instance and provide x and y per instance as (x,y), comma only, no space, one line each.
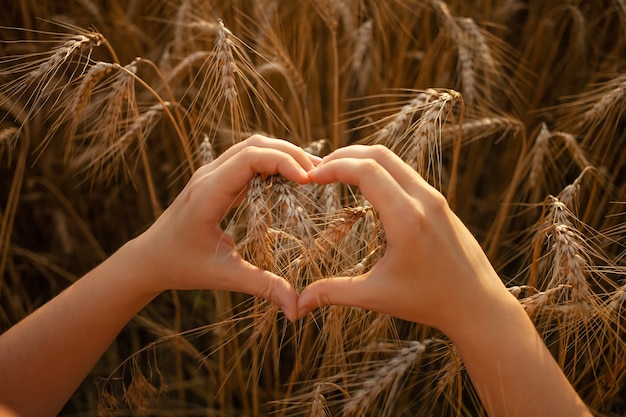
(432,265)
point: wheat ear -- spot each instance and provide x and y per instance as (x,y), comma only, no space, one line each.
(207,154)
(74,44)
(474,52)
(258,246)
(42,79)
(105,133)
(224,54)
(290,209)
(361,62)
(7,136)
(395,127)
(477,129)
(539,151)
(388,378)
(426,137)
(318,405)
(611,95)
(334,233)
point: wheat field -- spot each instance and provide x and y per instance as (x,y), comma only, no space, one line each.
(514,110)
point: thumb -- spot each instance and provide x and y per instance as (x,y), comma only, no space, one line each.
(344,291)
(249,279)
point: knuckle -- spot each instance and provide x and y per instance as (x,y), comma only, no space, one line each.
(324,299)
(381,151)
(248,151)
(371,164)
(257,140)
(436,202)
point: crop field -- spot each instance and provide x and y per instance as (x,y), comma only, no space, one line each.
(514,110)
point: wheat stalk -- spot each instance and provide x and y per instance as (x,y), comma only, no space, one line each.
(41,77)
(290,206)
(387,378)
(610,96)
(88,82)
(75,44)
(539,152)
(104,135)
(258,245)
(333,234)
(318,405)
(425,154)
(396,126)
(7,136)
(349,71)
(186,64)
(207,154)
(362,60)
(482,128)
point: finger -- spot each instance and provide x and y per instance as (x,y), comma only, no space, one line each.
(306,160)
(235,174)
(376,184)
(249,279)
(344,291)
(406,176)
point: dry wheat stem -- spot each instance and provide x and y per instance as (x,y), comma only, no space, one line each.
(8,216)
(258,245)
(43,79)
(284,63)
(318,405)
(478,129)
(326,60)
(539,152)
(361,63)
(207,154)
(226,62)
(387,378)
(7,135)
(186,64)
(424,155)
(334,233)
(292,214)
(609,99)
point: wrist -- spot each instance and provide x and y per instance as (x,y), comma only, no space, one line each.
(141,271)
(488,315)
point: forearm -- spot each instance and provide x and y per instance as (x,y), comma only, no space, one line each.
(512,369)
(45,357)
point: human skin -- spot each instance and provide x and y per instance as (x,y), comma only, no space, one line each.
(45,357)
(434,272)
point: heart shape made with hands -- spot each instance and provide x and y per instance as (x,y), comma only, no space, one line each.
(306,232)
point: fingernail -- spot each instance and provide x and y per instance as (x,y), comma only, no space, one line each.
(288,314)
(314,158)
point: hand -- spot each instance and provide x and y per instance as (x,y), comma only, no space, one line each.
(186,247)
(432,268)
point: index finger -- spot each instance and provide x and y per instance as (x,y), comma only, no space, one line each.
(233,176)
(306,160)
(402,173)
(380,188)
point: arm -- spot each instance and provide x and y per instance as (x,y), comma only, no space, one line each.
(45,357)
(435,272)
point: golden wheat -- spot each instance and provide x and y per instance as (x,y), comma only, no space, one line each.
(514,110)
